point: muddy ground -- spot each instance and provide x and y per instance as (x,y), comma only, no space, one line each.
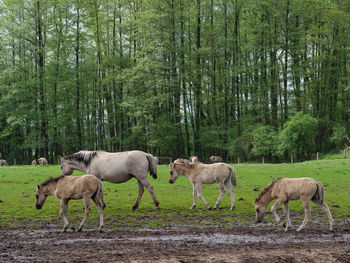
(265,242)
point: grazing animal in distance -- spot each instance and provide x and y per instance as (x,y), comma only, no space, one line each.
(199,173)
(286,189)
(115,168)
(43,162)
(215,159)
(34,163)
(65,188)
(3,162)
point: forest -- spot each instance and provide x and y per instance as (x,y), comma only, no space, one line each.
(245,79)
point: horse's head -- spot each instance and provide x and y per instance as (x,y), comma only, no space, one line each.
(173,173)
(40,197)
(65,167)
(259,210)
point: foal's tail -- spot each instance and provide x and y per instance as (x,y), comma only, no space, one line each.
(233,176)
(99,194)
(152,165)
(318,197)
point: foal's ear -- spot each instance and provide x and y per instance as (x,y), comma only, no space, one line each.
(38,187)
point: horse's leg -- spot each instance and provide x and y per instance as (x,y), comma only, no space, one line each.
(230,192)
(194,196)
(150,189)
(325,208)
(307,208)
(274,208)
(100,212)
(63,213)
(287,215)
(141,190)
(86,201)
(199,192)
(222,193)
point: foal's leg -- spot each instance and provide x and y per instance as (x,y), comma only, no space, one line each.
(194,196)
(100,212)
(63,213)
(230,192)
(86,201)
(307,208)
(287,215)
(150,189)
(199,192)
(325,208)
(274,208)
(222,193)
(141,190)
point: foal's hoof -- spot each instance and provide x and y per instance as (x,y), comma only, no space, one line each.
(100,230)
(72,228)
(209,208)
(232,207)
(134,208)
(79,229)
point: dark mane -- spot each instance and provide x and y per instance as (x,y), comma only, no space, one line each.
(51,180)
(267,188)
(82,156)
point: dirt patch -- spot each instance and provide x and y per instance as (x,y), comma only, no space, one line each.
(235,243)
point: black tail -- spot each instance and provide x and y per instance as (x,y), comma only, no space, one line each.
(318,197)
(152,165)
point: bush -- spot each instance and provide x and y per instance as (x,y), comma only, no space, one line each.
(264,141)
(298,136)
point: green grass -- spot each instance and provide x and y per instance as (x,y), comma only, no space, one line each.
(17,188)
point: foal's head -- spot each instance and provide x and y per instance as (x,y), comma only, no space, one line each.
(41,196)
(173,173)
(260,210)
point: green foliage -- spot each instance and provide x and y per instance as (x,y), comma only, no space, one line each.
(170,77)
(298,136)
(340,137)
(264,141)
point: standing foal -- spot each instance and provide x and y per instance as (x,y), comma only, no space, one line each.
(66,188)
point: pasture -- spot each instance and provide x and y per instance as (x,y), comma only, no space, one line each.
(174,219)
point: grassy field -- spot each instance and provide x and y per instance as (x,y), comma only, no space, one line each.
(17,205)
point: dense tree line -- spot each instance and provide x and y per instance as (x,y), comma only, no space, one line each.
(235,78)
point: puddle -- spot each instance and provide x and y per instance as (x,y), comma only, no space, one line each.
(212,239)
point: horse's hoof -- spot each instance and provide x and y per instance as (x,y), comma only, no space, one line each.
(157,208)
(209,208)
(72,228)
(79,229)
(232,207)
(100,230)
(133,208)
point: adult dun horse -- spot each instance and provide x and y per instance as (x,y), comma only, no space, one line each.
(286,189)
(115,168)
(199,173)
(66,188)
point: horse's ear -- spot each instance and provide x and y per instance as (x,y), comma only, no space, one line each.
(38,187)
(255,200)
